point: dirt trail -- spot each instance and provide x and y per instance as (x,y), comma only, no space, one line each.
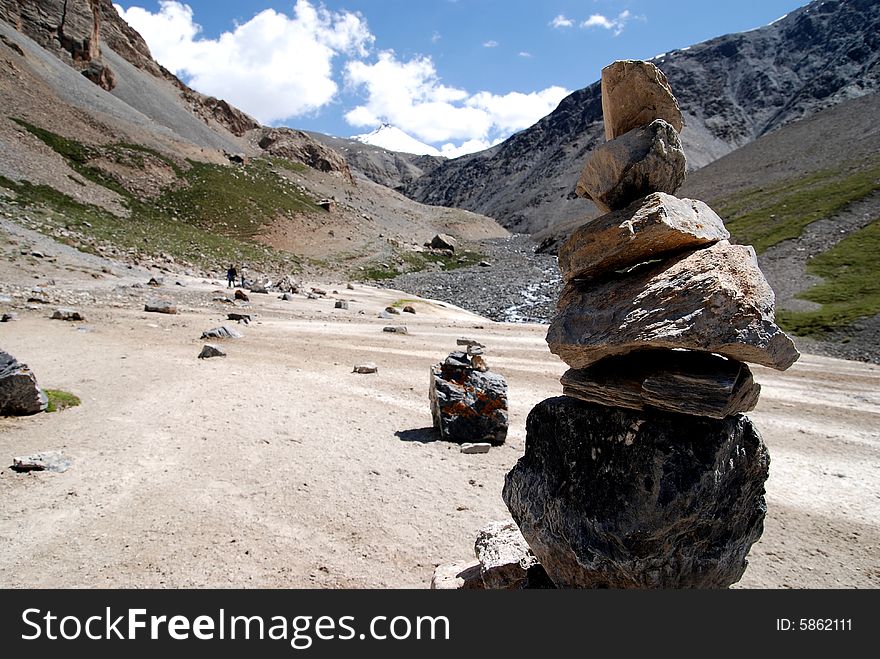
(278,467)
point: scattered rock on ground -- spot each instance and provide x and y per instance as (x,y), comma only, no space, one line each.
(443,241)
(241,295)
(392,311)
(396,329)
(53,461)
(209,351)
(457,576)
(341,304)
(240,317)
(409,309)
(19,393)
(505,557)
(470,448)
(366,368)
(161,306)
(222,333)
(71,315)
(8,317)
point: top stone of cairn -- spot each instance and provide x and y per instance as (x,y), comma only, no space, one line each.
(635,93)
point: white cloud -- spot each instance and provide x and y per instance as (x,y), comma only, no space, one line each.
(561,21)
(515,111)
(615,24)
(525,53)
(490,44)
(410,96)
(436,37)
(471,146)
(273,67)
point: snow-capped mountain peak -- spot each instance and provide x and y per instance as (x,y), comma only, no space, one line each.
(392,138)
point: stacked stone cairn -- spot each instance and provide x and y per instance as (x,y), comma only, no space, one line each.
(646,473)
(468,402)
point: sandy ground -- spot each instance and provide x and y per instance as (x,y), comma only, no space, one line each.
(278,467)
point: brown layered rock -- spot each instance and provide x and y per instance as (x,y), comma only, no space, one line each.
(656,226)
(645,160)
(712,300)
(635,93)
(683,382)
(299,147)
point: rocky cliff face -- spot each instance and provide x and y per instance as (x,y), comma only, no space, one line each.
(732,90)
(77,30)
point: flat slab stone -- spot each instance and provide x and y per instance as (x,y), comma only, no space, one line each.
(161,306)
(612,498)
(366,368)
(469,448)
(457,576)
(712,300)
(683,382)
(657,226)
(222,333)
(645,160)
(53,461)
(635,93)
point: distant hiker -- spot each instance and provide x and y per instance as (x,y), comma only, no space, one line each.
(231,274)
(241,274)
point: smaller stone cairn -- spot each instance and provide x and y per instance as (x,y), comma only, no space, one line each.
(646,473)
(468,402)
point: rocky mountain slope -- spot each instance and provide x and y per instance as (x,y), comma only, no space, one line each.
(101,145)
(732,89)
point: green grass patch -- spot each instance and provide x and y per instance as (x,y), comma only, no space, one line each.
(851,290)
(236,201)
(399,304)
(768,215)
(289,165)
(418,261)
(211,219)
(60,400)
(146,232)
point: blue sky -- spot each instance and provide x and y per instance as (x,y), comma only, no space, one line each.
(458,75)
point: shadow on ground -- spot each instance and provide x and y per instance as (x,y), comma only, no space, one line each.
(421,435)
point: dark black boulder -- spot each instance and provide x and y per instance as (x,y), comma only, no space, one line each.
(615,498)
